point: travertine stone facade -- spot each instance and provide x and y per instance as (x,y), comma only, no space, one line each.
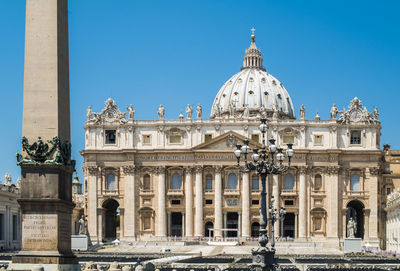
(393,222)
(10,215)
(185,181)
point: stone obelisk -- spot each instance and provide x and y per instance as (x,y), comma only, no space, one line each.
(46,165)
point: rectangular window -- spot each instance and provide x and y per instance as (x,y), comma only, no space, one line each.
(175,202)
(355,137)
(110,136)
(288,139)
(146,223)
(207,137)
(147,139)
(317,139)
(209,185)
(175,139)
(208,201)
(289,202)
(15,227)
(388,191)
(255,137)
(255,184)
(255,202)
(1,226)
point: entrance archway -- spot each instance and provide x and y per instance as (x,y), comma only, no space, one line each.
(176,224)
(207,233)
(255,229)
(289,225)
(232,222)
(355,210)
(111,219)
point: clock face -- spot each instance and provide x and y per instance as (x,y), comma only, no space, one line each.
(109,115)
(356,115)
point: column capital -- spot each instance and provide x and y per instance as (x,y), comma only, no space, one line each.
(198,169)
(159,170)
(93,170)
(374,171)
(128,170)
(332,170)
(303,169)
(188,169)
(218,169)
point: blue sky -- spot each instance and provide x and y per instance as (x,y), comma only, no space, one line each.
(179,52)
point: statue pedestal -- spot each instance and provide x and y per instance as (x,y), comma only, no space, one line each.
(79,242)
(352,245)
(263,259)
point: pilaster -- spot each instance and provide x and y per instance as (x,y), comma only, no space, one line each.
(129,203)
(198,226)
(218,216)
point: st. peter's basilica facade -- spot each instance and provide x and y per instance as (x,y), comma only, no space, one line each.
(179,177)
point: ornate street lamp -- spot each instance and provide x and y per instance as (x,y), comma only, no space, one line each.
(273,217)
(267,160)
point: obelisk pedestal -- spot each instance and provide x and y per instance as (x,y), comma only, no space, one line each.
(46,165)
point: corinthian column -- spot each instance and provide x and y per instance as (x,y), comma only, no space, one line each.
(373,204)
(92,203)
(198,225)
(218,202)
(303,203)
(246,205)
(129,203)
(333,197)
(161,221)
(275,193)
(188,201)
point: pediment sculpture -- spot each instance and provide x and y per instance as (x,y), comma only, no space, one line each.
(110,114)
(356,113)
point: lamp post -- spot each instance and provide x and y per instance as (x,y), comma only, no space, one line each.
(273,217)
(268,161)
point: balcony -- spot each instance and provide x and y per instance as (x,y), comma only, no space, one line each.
(146,192)
(110,192)
(231,192)
(175,192)
(288,192)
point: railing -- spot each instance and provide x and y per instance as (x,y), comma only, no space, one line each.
(146,192)
(111,192)
(231,192)
(175,192)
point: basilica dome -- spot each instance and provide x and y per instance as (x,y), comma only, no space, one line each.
(252,92)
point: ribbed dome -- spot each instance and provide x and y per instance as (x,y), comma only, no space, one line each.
(252,92)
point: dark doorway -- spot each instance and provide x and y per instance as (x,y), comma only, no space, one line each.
(111,219)
(176,224)
(255,229)
(232,223)
(208,233)
(289,225)
(355,209)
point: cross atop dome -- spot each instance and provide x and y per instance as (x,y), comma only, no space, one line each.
(253,36)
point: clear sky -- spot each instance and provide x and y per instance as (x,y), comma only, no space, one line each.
(177,52)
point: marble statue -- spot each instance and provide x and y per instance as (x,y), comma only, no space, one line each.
(334,112)
(302,112)
(263,112)
(189,111)
(7,179)
(131,112)
(351,228)
(246,112)
(161,112)
(89,113)
(199,111)
(376,113)
(82,226)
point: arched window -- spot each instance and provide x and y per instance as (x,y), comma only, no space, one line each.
(355,182)
(176,181)
(110,181)
(232,181)
(289,182)
(146,182)
(317,182)
(255,183)
(209,183)
(207,229)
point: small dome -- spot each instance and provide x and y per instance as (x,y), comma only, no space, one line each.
(252,91)
(76,179)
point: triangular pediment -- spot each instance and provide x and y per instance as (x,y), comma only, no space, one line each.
(226,141)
